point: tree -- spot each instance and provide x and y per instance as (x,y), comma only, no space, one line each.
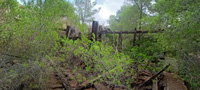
(28,32)
(180,19)
(128,17)
(125,17)
(142,6)
(8,15)
(85,10)
(113,22)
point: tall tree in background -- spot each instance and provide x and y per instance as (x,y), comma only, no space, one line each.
(142,6)
(127,17)
(113,22)
(85,10)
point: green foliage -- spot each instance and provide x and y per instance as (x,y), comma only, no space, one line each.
(29,32)
(100,59)
(85,10)
(126,19)
(181,38)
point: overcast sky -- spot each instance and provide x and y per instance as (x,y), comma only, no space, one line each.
(108,7)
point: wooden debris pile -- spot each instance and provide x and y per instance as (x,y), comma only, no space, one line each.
(143,76)
(146,81)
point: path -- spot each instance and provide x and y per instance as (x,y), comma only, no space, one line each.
(173,82)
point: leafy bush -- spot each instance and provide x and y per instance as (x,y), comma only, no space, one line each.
(29,40)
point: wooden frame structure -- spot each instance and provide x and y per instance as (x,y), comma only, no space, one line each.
(99,31)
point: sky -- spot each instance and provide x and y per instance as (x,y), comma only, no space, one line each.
(108,7)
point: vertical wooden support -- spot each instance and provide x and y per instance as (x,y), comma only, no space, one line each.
(100,35)
(95,27)
(134,37)
(68,29)
(155,84)
(120,42)
(113,39)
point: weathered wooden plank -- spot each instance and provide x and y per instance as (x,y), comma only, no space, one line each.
(128,32)
(155,84)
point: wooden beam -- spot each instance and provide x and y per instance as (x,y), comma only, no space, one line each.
(128,32)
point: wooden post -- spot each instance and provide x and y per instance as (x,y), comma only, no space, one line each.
(155,84)
(134,37)
(134,43)
(68,30)
(95,27)
(113,39)
(120,42)
(100,35)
